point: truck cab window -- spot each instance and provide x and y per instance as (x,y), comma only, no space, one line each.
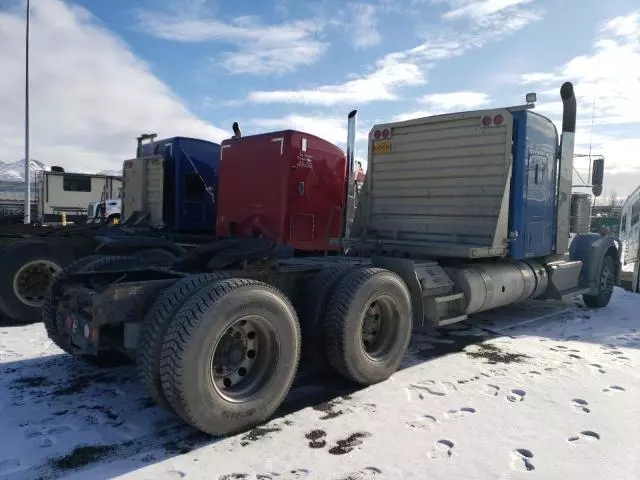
(193,187)
(76,183)
(635,214)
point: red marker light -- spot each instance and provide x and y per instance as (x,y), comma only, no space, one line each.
(486,121)
(377,134)
(498,119)
(385,133)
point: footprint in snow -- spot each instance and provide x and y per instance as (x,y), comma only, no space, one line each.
(613,389)
(172,475)
(580,405)
(296,474)
(521,460)
(442,450)
(463,412)
(491,390)
(598,367)
(290,475)
(516,395)
(429,389)
(317,439)
(584,438)
(364,474)
(9,465)
(423,423)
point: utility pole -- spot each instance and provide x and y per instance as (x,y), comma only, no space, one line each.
(27,159)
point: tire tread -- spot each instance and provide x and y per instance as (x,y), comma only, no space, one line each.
(180,333)
(154,328)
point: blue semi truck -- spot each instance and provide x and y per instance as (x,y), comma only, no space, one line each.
(459,213)
(174,209)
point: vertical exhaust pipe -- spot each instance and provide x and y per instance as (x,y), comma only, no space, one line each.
(569,108)
(349,187)
(565,167)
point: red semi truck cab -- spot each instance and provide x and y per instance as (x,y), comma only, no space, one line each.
(288,186)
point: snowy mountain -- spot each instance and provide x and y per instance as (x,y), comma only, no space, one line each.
(14,171)
(109,172)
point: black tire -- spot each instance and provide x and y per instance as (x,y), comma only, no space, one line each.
(16,260)
(155,256)
(53,319)
(606,281)
(78,264)
(154,328)
(355,294)
(313,310)
(103,263)
(187,372)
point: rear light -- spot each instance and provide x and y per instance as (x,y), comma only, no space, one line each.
(382,133)
(69,322)
(94,335)
(496,120)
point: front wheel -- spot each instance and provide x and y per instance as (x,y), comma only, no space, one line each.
(230,356)
(606,281)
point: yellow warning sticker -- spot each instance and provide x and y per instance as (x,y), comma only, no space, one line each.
(382,147)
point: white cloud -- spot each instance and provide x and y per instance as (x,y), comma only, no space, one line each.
(365,23)
(90,95)
(392,72)
(401,117)
(481,10)
(444,102)
(259,49)
(332,129)
(607,87)
(401,69)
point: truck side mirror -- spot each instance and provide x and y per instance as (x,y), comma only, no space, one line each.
(597,176)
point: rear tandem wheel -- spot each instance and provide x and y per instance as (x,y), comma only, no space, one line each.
(230,356)
(155,325)
(368,325)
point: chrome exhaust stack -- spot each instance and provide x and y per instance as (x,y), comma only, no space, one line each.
(350,186)
(565,167)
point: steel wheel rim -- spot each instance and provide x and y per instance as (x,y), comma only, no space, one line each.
(243,358)
(379,328)
(32,280)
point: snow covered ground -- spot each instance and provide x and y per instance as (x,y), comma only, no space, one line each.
(542,390)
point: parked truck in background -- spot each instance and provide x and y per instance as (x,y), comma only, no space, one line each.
(630,236)
(170,197)
(459,213)
(104,211)
(32,256)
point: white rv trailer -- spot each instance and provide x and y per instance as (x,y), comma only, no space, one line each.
(630,236)
(61,192)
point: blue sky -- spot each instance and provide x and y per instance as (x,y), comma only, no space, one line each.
(103,71)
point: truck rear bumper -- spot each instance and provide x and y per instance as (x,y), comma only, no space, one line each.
(92,317)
